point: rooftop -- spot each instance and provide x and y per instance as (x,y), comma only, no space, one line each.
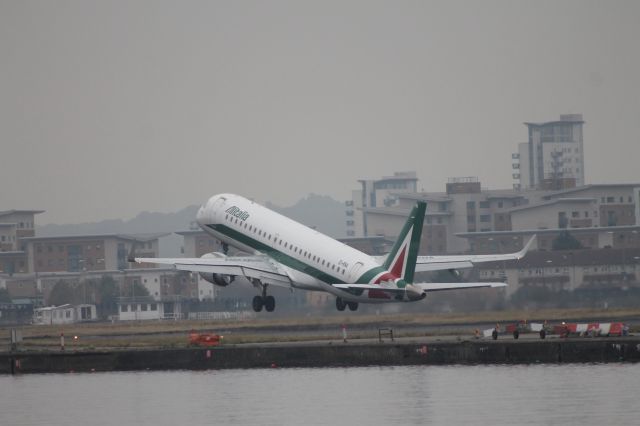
(596,186)
(552,202)
(10,212)
(131,237)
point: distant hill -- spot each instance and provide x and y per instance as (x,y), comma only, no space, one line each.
(317,211)
(321,212)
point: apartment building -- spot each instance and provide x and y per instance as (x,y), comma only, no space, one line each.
(375,193)
(553,156)
(107,252)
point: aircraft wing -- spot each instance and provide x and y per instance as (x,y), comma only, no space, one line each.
(436,263)
(256,267)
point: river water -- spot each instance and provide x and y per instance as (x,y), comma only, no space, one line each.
(454,395)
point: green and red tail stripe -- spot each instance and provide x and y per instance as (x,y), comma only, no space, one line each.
(401,261)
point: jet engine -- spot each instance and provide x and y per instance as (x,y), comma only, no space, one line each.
(217,279)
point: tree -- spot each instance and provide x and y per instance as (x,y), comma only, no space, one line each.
(5,297)
(61,293)
(137,290)
(565,241)
(107,295)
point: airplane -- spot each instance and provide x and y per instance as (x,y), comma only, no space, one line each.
(285,253)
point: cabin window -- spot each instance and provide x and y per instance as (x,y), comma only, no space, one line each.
(269,237)
(226,217)
(323,263)
(285,245)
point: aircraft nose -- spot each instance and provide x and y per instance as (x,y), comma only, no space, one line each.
(200,214)
(204,210)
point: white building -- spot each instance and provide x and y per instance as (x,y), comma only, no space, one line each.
(375,193)
(553,157)
(463,207)
(64,314)
(140,309)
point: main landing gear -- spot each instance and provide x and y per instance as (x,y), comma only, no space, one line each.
(268,302)
(341,305)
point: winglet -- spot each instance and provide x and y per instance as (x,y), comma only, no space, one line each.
(526,247)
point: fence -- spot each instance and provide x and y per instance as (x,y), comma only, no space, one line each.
(236,316)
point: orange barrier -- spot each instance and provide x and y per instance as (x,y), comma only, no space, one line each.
(204,339)
(591,329)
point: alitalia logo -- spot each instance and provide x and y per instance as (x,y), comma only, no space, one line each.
(236,212)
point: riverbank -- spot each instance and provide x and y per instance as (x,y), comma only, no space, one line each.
(103,336)
(329,354)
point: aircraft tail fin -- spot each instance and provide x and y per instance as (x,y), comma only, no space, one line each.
(401,261)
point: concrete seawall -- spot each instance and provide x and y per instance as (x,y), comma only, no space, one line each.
(329,355)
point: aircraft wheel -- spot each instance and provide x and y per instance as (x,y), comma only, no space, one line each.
(543,334)
(516,334)
(494,335)
(269,303)
(340,304)
(353,306)
(257,303)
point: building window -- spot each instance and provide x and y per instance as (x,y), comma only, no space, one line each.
(124,308)
(154,307)
(144,307)
(485,218)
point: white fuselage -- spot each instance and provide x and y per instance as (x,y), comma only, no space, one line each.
(312,260)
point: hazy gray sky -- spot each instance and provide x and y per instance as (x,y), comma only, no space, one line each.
(111,108)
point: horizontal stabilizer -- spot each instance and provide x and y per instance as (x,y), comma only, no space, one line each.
(389,287)
(456,286)
(421,286)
